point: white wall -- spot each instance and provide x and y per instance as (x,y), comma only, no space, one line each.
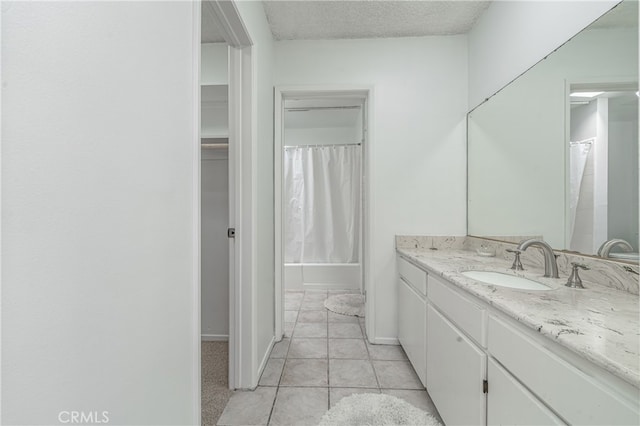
(214,112)
(623,172)
(322,136)
(418,137)
(98,270)
(583,122)
(252,13)
(511,36)
(214,66)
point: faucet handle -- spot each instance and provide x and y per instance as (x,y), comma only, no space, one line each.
(517,265)
(582,266)
(574,280)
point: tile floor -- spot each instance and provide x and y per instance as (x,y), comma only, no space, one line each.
(323,358)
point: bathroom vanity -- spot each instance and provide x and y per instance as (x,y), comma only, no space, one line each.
(489,354)
(557,167)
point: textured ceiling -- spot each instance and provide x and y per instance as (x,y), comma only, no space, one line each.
(316,20)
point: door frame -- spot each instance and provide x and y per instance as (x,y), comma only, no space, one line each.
(281,93)
(225,15)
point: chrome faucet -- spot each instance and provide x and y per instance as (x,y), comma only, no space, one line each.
(574,280)
(550,264)
(606,247)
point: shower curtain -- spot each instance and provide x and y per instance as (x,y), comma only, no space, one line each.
(322,204)
(578,154)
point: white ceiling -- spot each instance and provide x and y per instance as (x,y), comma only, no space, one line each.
(313,19)
(335,19)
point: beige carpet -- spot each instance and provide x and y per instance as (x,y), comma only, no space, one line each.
(215,373)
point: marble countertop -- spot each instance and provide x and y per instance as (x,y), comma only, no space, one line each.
(598,323)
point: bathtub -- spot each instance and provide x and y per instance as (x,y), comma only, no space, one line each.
(317,276)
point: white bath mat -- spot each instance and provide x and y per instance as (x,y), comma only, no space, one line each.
(346,304)
(375,410)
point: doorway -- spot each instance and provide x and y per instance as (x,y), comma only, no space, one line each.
(321,163)
(226,131)
(216,191)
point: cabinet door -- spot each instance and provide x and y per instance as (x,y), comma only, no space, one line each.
(509,403)
(412,323)
(456,369)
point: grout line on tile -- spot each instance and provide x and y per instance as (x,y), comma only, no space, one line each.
(375,373)
(304,386)
(273,405)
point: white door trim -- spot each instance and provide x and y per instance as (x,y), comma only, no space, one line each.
(197,253)
(243,303)
(278,125)
(280,94)
(228,20)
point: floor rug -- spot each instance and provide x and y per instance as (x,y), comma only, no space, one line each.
(376,410)
(346,304)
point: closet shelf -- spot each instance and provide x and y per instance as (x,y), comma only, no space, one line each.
(214,136)
(214,146)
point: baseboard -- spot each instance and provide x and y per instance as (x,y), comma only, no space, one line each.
(214,337)
(384,341)
(265,359)
(320,286)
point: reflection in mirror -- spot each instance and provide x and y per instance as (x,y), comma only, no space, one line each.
(603,149)
(565,168)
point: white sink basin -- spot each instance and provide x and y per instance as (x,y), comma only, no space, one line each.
(505,280)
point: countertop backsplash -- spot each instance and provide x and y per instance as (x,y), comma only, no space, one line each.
(430,242)
(609,273)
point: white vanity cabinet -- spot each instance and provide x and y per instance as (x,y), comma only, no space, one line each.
(412,318)
(456,361)
(578,392)
(481,366)
(456,370)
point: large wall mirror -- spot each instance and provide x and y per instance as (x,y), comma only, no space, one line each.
(554,154)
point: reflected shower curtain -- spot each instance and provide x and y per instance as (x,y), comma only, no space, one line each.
(578,153)
(322,204)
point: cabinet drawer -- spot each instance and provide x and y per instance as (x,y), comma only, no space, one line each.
(510,403)
(412,327)
(468,316)
(413,275)
(579,398)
